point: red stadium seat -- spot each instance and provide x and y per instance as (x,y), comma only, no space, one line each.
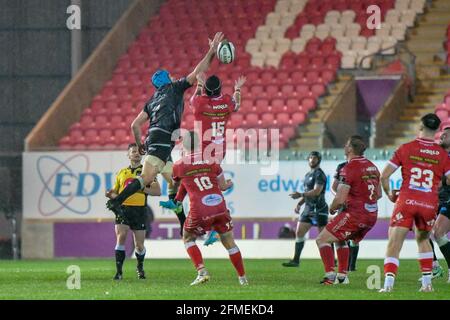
(277,105)
(308,103)
(298,118)
(267,120)
(283,119)
(252,120)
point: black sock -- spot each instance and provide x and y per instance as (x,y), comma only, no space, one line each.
(140,260)
(434,253)
(172,196)
(298,250)
(131,189)
(120,258)
(445,249)
(353,257)
(182,218)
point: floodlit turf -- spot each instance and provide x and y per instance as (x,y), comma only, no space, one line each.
(170,279)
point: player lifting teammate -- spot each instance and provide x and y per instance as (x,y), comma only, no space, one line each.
(356,203)
(423,164)
(164,110)
(204,183)
(212,110)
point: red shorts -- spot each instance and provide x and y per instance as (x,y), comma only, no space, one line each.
(199,225)
(409,212)
(351,225)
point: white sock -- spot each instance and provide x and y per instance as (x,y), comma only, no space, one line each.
(330,275)
(426,279)
(389,281)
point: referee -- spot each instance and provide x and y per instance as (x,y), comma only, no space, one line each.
(133,213)
(315,212)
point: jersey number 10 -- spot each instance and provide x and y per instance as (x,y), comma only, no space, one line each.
(203,183)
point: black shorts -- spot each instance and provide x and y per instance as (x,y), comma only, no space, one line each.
(444,209)
(160,145)
(133,216)
(318,218)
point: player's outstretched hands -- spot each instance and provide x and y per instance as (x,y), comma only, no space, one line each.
(214,43)
(228,185)
(295,195)
(239,82)
(201,78)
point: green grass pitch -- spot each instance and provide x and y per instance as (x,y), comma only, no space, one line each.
(170,279)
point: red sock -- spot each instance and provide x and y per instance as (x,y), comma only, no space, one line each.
(327,255)
(195,255)
(342,254)
(236,260)
(391,266)
(426,261)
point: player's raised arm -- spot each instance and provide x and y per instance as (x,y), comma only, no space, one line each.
(136,125)
(237,91)
(206,61)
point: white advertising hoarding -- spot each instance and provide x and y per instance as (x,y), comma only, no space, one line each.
(71,185)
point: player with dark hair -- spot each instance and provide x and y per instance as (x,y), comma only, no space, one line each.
(315,212)
(356,204)
(164,110)
(204,183)
(423,163)
(133,213)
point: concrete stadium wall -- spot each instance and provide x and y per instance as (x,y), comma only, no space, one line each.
(35,65)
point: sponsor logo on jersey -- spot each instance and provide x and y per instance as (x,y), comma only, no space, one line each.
(418,203)
(373,168)
(398,216)
(430,152)
(371,207)
(220,107)
(212,200)
(421,189)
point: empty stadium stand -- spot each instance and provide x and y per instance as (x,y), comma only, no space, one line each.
(290,50)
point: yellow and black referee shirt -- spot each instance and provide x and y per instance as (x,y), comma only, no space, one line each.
(124,177)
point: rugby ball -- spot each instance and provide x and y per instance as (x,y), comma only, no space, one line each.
(225,52)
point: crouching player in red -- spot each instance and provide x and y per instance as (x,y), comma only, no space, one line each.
(356,201)
(204,181)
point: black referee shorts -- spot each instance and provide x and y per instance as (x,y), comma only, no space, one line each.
(133,216)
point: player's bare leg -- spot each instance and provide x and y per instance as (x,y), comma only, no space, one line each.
(149,172)
(121,236)
(397,236)
(324,241)
(235,255)
(300,232)
(441,228)
(196,258)
(139,237)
